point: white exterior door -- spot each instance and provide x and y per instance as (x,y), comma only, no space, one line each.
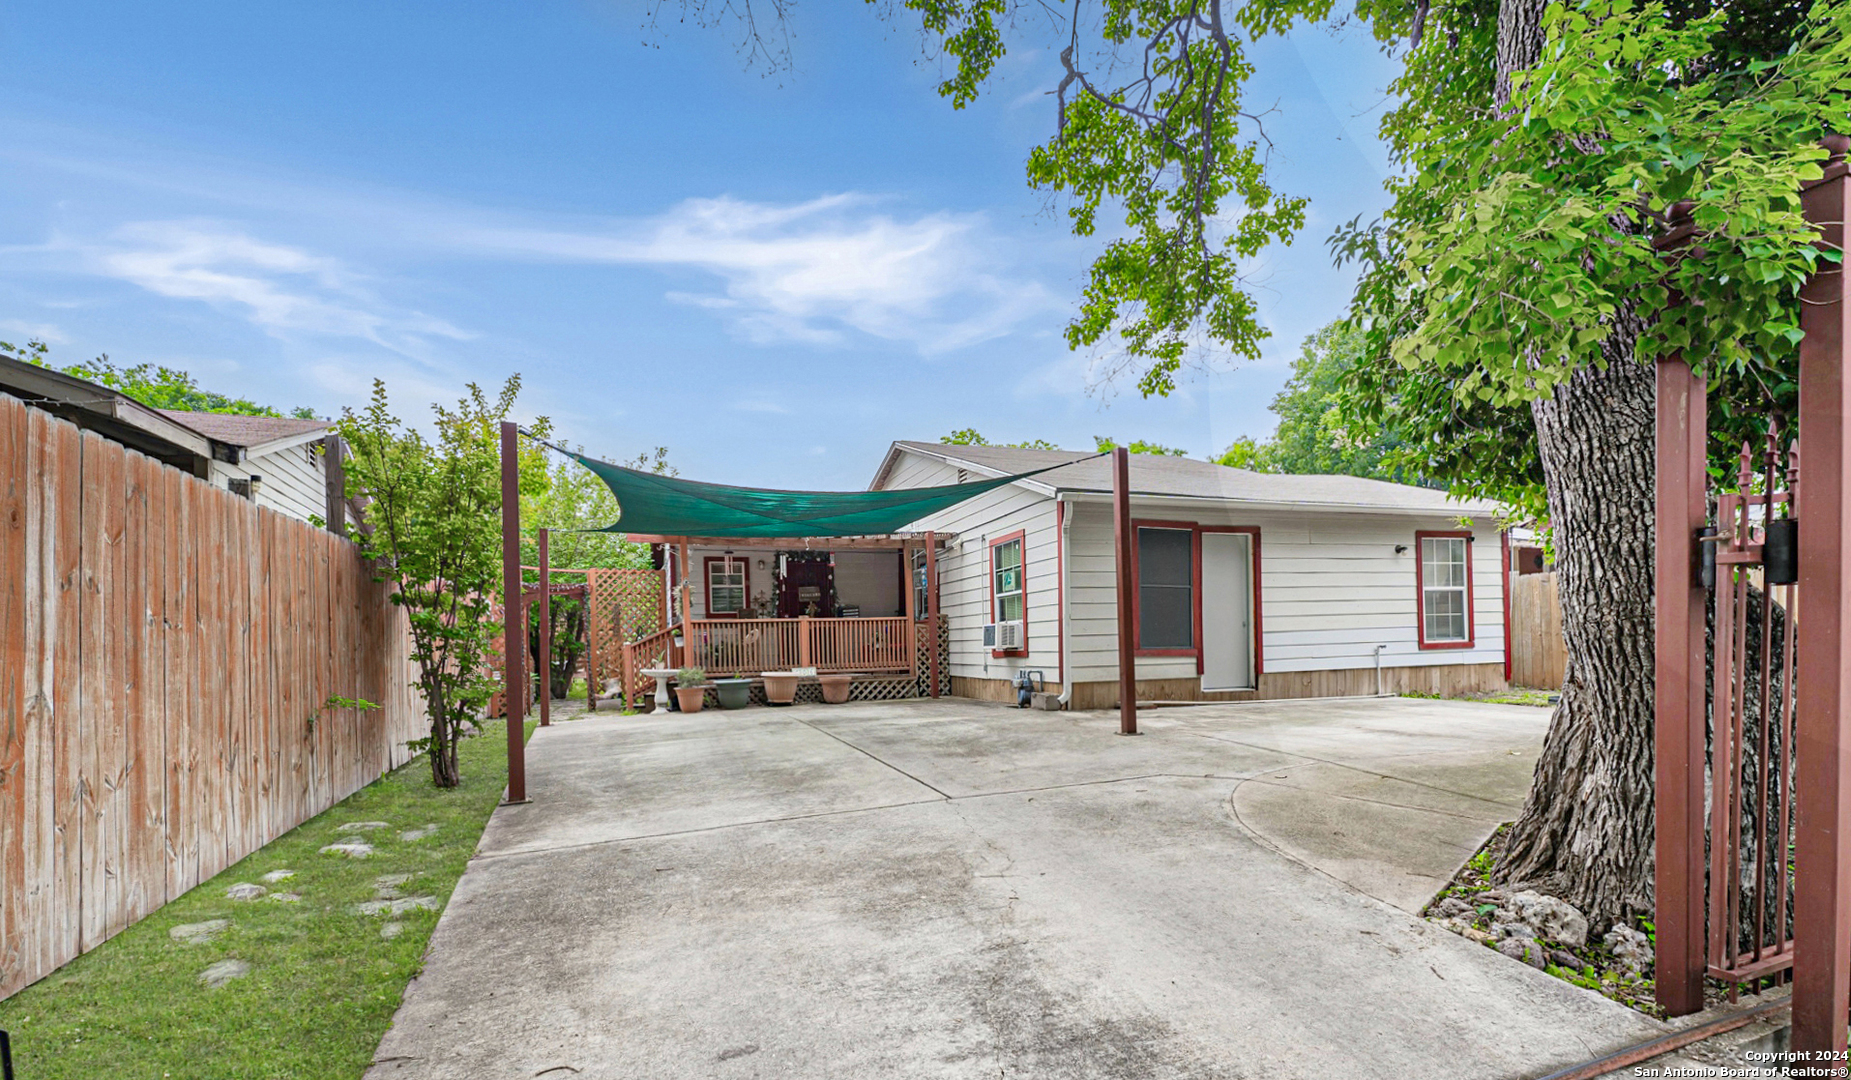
(1227,611)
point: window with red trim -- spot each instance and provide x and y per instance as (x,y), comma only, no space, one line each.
(726,585)
(1444,583)
(1166,588)
(1009,584)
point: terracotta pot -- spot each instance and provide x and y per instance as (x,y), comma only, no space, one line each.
(780,687)
(689,697)
(835,688)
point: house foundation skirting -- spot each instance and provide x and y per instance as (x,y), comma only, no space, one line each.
(1446,680)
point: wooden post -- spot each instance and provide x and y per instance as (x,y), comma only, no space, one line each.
(932,604)
(513,614)
(1679,662)
(546,635)
(591,647)
(803,641)
(1122,540)
(687,610)
(628,661)
(334,469)
(1822,881)
(912,610)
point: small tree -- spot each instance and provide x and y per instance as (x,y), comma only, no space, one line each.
(433,531)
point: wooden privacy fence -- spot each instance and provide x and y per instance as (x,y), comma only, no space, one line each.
(166,648)
(1538,656)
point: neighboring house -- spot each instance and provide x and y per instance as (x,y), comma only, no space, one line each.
(1247,585)
(113,415)
(278,462)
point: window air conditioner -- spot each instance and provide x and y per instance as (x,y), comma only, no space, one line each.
(1009,635)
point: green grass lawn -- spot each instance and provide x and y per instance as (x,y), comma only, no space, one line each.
(323,983)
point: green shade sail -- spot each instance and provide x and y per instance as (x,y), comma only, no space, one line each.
(652,504)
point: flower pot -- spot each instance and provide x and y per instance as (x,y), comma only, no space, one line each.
(734,693)
(780,687)
(835,688)
(689,697)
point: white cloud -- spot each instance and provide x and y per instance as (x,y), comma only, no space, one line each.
(283,290)
(31,331)
(811,271)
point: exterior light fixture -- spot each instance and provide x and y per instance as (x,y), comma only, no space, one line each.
(1401,549)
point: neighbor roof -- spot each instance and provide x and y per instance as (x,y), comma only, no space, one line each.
(109,413)
(234,429)
(1181,477)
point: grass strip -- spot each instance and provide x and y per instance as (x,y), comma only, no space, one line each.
(324,979)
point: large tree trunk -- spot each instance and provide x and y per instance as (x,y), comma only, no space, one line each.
(1586,831)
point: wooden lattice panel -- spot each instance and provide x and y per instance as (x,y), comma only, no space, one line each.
(924,640)
(625,605)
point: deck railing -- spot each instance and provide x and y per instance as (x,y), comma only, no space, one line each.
(751,646)
(651,651)
(726,647)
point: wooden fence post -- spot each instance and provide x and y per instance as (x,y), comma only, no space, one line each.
(1680,710)
(1822,832)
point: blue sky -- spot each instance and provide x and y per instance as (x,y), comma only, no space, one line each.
(773,277)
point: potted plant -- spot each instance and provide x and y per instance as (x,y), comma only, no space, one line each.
(690,688)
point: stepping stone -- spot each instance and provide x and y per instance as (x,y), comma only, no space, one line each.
(391,930)
(364,826)
(244,890)
(198,933)
(353,849)
(223,972)
(414,835)
(286,897)
(387,885)
(275,876)
(398,907)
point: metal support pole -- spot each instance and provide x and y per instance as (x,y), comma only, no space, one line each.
(514,621)
(1122,539)
(546,635)
(1822,883)
(1679,714)
(932,603)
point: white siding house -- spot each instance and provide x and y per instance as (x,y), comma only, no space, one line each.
(1249,585)
(283,455)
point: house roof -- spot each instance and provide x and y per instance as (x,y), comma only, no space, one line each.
(110,413)
(1189,478)
(247,432)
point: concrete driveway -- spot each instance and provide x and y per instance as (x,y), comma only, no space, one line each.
(952,889)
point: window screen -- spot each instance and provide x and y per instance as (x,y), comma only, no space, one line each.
(1166,589)
(1443,584)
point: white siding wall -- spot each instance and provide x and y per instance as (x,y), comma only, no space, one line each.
(964,568)
(294,482)
(871,581)
(757,581)
(1332,588)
